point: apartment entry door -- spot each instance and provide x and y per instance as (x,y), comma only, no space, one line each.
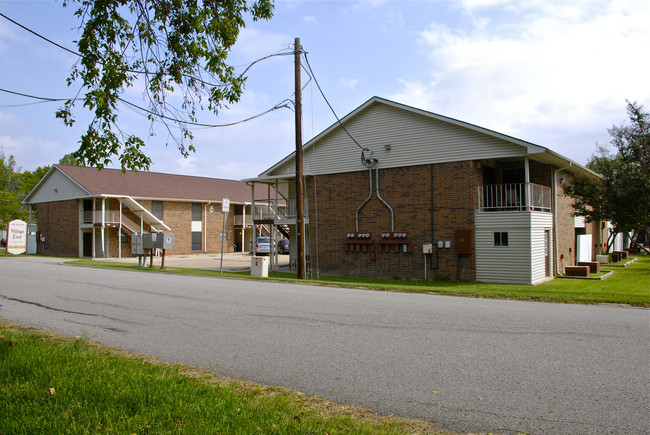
(87,244)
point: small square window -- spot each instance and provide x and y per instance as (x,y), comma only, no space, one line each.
(500,239)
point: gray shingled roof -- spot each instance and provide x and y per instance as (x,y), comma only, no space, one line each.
(155,185)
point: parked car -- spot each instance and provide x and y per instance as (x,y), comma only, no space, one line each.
(283,246)
(263,246)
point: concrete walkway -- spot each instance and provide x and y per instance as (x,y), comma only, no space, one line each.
(232,262)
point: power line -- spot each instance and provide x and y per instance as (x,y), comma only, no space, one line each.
(39,35)
(43,99)
(330,106)
(280,105)
(145,72)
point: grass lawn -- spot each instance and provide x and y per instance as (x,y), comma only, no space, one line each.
(628,285)
(52,384)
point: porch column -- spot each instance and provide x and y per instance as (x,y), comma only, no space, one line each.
(527,183)
(275,216)
(102,231)
(119,234)
(243,228)
(253,251)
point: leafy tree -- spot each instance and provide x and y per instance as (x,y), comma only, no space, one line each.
(70,159)
(177,47)
(10,206)
(29,179)
(623,195)
(14,186)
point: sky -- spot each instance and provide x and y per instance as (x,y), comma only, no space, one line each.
(555,73)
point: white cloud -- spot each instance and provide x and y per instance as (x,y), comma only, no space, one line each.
(253,43)
(471,5)
(26,149)
(548,67)
(349,82)
(7,34)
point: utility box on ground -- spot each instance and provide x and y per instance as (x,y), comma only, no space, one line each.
(167,241)
(157,241)
(260,267)
(136,245)
(150,240)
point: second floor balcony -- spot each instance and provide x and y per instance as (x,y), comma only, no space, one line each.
(283,214)
(514,197)
(111,218)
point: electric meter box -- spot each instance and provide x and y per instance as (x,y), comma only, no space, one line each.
(150,240)
(167,241)
(136,245)
(157,241)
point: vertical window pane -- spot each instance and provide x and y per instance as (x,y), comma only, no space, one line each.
(196,241)
(157,209)
(196,212)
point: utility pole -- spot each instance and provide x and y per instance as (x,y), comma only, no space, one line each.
(300,211)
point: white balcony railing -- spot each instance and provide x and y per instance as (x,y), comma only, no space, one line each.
(111,217)
(292,210)
(514,197)
(271,212)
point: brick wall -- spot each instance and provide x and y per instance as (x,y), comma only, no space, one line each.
(566,247)
(178,216)
(430,202)
(58,222)
(213,226)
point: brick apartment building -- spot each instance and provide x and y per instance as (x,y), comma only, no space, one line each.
(86,212)
(489,206)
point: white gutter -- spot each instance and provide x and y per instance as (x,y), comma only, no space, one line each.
(205,230)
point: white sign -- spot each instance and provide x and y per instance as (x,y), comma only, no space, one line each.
(225,205)
(16,237)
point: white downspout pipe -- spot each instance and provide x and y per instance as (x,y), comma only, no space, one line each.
(205,229)
(243,227)
(555,238)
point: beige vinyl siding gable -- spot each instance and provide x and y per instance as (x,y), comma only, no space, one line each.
(57,187)
(414,139)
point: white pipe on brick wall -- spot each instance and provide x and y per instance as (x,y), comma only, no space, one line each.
(356,215)
(392,214)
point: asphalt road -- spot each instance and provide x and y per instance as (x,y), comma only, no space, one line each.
(467,364)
